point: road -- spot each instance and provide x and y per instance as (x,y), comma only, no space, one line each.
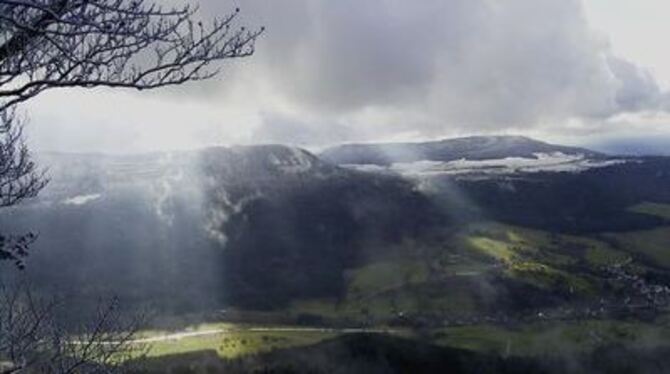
(211,332)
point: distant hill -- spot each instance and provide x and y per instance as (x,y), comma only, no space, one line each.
(469,148)
(293,223)
(521,181)
(265,227)
(254,226)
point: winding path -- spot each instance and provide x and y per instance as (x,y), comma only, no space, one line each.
(211,332)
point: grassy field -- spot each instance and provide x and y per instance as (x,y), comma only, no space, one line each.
(553,338)
(652,244)
(237,341)
(537,257)
(653,209)
(496,249)
(443,277)
(407,280)
(386,274)
(534,339)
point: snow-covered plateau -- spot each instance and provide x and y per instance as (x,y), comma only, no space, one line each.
(542,162)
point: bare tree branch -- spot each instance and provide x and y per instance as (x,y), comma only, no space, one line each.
(31,339)
(19,180)
(47,44)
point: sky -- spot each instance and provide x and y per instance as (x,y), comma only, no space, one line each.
(328,72)
(635,30)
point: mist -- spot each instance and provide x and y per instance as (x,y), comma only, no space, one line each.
(334,186)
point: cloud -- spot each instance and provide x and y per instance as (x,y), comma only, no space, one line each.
(638,90)
(438,66)
(351,70)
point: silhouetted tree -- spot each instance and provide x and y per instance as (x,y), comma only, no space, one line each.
(138,44)
(32,340)
(19,180)
(46,44)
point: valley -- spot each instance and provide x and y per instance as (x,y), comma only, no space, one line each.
(451,301)
(500,245)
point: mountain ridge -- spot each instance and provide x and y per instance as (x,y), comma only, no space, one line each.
(470,148)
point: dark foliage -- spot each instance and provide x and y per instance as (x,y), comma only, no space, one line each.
(362,353)
(296,240)
(287,235)
(593,201)
(370,354)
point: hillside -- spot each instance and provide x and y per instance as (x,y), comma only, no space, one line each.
(277,230)
(192,231)
(390,354)
(470,148)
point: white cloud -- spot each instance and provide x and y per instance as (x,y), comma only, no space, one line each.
(348,70)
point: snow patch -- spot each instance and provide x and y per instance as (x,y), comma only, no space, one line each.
(543,162)
(366,168)
(81,199)
(295,162)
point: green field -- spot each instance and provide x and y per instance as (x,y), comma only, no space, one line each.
(442,277)
(386,275)
(653,245)
(534,339)
(553,338)
(405,280)
(653,209)
(539,258)
(238,340)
